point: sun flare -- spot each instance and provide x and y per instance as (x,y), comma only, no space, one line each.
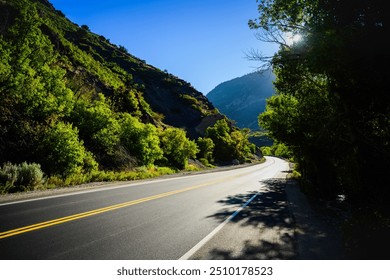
(293,38)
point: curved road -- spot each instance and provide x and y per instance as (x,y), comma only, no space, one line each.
(158,219)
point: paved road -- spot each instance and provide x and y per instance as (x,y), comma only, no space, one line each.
(157,219)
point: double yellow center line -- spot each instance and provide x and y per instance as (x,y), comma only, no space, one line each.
(66,219)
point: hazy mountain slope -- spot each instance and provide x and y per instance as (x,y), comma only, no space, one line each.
(243,99)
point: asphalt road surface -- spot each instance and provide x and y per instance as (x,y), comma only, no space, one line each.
(168,218)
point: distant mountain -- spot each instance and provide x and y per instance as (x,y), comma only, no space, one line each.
(243,99)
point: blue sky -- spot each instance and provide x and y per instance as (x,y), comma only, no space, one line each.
(201,41)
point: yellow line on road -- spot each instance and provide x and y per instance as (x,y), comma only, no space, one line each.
(66,219)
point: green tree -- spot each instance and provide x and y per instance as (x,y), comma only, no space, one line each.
(97,125)
(33,93)
(63,153)
(178,149)
(219,133)
(141,140)
(206,148)
(332,108)
(230,143)
(243,149)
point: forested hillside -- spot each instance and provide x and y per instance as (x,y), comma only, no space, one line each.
(74,106)
(243,99)
(332,108)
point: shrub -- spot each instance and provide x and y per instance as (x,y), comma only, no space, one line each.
(206,163)
(178,149)
(97,125)
(230,143)
(8,174)
(30,175)
(141,140)
(65,153)
(206,149)
(277,149)
(282,150)
(266,151)
(20,177)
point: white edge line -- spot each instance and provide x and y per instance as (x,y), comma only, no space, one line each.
(194,249)
(98,189)
(103,188)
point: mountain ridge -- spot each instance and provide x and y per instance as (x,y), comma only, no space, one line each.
(243,98)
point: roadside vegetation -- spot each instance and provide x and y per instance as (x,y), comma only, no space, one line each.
(155,153)
(332,107)
(58,127)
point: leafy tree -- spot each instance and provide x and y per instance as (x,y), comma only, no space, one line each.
(266,151)
(206,148)
(33,93)
(229,143)
(141,140)
(63,153)
(97,125)
(333,106)
(178,149)
(243,149)
(220,135)
(85,27)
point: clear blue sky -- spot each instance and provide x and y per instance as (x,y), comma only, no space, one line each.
(201,41)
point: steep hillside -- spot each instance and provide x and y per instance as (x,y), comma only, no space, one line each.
(244,98)
(75,108)
(92,63)
(73,102)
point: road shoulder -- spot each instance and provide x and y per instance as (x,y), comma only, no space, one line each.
(45,193)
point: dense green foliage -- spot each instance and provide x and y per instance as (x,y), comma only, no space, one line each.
(277,149)
(206,148)
(332,110)
(230,143)
(52,113)
(63,153)
(141,140)
(177,147)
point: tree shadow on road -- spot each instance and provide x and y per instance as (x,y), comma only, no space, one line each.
(266,220)
(281,225)
(268,208)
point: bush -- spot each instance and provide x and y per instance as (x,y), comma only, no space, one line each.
(8,174)
(178,149)
(140,140)
(30,175)
(204,161)
(230,143)
(21,177)
(266,151)
(281,150)
(65,154)
(97,125)
(277,149)
(206,149)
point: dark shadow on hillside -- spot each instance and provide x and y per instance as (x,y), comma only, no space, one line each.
(281,225)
